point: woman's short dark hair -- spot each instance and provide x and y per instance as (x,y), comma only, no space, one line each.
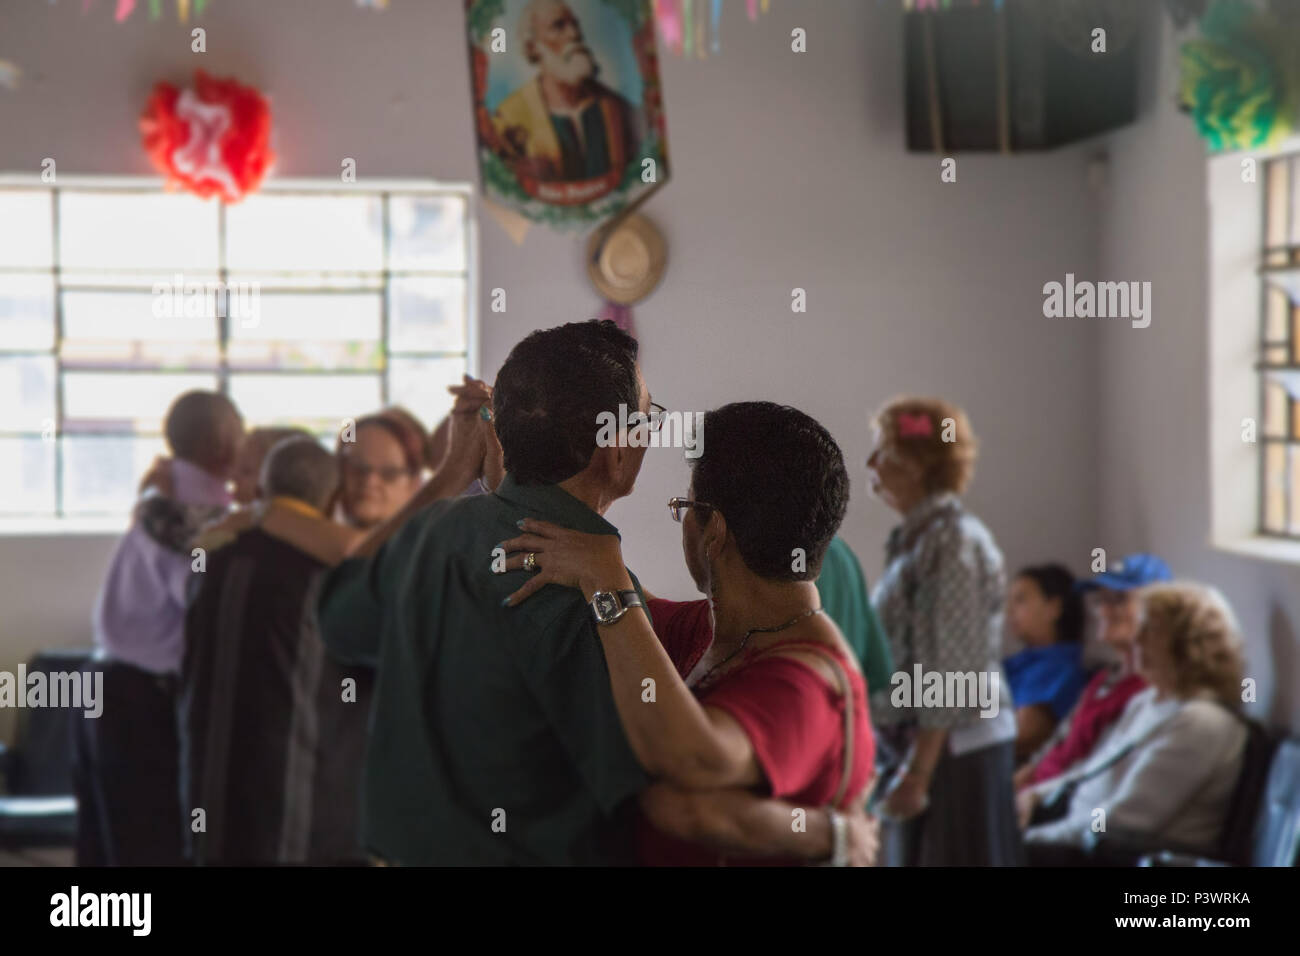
(1056,581)
(549,394)
(778,477)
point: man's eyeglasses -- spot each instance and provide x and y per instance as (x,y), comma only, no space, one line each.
(1105,597)
(653,418)
(388,474)
(677,507)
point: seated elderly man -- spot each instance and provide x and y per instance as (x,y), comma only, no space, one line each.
(272,730)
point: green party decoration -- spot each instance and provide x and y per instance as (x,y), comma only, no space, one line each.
(1241,80)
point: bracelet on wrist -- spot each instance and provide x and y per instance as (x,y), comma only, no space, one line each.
(839,838)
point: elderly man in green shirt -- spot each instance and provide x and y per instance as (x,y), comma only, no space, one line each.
(494,737)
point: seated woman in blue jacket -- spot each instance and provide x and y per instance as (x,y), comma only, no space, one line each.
(1044,612)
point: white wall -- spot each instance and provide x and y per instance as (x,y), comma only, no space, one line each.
(1154,468)
(789,171)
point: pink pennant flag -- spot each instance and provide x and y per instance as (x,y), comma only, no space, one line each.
(669,15)
(620,315)
(124,9)
(752,6)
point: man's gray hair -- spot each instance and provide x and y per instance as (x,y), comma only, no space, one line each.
(300,467)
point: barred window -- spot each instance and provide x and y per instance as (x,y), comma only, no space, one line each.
(308,304)
(1280,351)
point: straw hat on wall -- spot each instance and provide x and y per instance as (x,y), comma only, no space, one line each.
(630,263)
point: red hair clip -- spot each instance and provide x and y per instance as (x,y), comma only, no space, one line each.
(914,426)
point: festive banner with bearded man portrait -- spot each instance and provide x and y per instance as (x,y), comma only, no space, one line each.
(568,106)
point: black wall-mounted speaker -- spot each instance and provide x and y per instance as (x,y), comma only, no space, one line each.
(1023,76)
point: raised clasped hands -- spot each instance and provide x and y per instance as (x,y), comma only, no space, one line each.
(473,445)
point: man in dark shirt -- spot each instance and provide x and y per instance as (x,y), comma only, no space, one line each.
(495,736)
(273,730)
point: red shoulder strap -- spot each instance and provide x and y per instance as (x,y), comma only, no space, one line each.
(836,661)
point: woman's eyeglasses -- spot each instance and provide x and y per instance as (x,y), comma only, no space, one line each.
(388,474)
(677,507)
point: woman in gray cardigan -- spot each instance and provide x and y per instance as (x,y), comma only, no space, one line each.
(1168,767)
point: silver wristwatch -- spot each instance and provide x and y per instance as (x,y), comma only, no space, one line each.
(609,606)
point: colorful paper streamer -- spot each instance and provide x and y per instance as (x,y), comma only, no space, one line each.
(694,27)
(668,14)
(124,9)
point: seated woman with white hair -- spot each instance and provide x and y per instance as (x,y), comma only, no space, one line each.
(1167,769)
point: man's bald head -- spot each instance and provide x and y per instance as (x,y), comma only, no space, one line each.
(205,429)
(299,467)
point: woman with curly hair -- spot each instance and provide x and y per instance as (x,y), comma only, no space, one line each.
(1168,767)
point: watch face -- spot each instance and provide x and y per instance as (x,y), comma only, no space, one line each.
(605,604)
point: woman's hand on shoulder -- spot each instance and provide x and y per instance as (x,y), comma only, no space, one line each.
(158,477)
(219,533)
(574,559)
